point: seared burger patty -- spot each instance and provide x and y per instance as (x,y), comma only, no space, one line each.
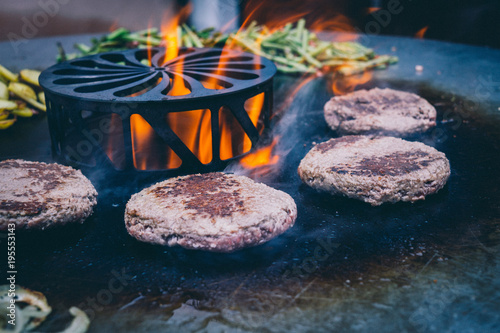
(35,195)
(375,170)
(379,111)
(214,212)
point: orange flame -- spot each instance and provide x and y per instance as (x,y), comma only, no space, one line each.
(113,25)
(279,23)
(169,31)
(274,15)
(254,107)
(370,10)
(194,127)
(233,140)
(261,157)
(189,126)
(420,34)
(142,135)
(337,22)
(231,43)
(347,84)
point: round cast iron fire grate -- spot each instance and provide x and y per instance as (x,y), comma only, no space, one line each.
(144,110)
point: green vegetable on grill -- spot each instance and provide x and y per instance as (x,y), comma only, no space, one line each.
(20,96)
(293,48)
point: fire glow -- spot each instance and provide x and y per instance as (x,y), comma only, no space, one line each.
(347,84)
(261,157)
(193,127)
(421,33)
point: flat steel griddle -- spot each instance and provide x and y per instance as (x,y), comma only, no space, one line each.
(345,266)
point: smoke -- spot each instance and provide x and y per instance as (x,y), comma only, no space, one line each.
(285,127)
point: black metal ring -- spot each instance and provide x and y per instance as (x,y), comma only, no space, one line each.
(124,76)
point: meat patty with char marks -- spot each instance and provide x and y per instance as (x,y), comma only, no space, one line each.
(36,195)
(379,112)
(215,212)
(375,170)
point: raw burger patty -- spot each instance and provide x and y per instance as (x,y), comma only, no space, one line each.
(35,195)
(379,111)
(375,170)
(215,212)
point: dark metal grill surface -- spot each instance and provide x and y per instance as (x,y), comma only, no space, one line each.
(345,266)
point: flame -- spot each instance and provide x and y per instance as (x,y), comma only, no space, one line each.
(226,27)
(141,132)
(233,140)
(169,30)
(275,15)
(421,32)
(194,127)
(226,135)
(347,84)
(231,43)
(261,157)
(113,25)
(142,135)
(337,22)
(260,10)
(370,10)
(253,106)
(279,23)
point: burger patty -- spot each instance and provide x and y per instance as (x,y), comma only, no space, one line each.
(375,170)
(379,111)
(214,212)
(36,195)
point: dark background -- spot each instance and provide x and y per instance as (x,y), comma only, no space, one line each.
(472,22)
